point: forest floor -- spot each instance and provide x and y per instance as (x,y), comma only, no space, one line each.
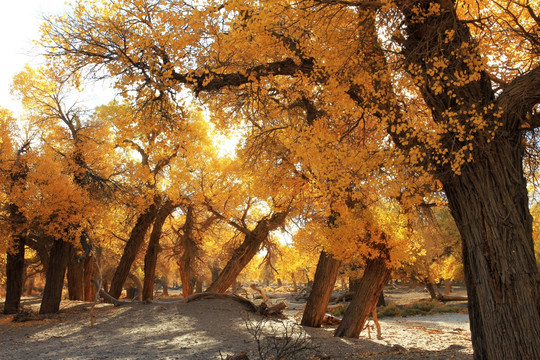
(216,328)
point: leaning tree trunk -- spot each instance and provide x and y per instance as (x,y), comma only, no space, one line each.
(133,245)
(150,259)
(490,205)
(246,251)
(14,277)
(365,297)
(323,284)
(54,281)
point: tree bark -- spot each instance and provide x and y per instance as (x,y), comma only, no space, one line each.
(189,252)
(365,298)
(150,259)
(488,197)
(490,205)
(245,252)
(133,245)
(90,273)
(58,261)
(75,277)
(14,277)
(321,292)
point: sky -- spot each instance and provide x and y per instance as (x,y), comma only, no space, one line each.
(19,25)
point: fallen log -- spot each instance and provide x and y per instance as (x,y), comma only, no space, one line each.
(445,298)
(108,298)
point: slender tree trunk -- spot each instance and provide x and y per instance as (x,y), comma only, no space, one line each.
(14,276)
(198,285)
(365,297)
(54,282)
(490,205)
(432,289)
(75,277)
(323,284)
(245,252)
(150,259)
(29,285)
(133,245)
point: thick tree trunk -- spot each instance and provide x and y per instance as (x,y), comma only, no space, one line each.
(488,198)
(150,259)
(490,205)
(133,245)
(246,251)
(365,297)
(321,292)
(14,277)
(190,250)
(58,261)
(75,278)
(90,273)
(187,280)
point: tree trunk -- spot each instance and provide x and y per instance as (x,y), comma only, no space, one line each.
(488,198)
(432,289)
(490,205)
(365,298)
(54,282)
(133,245)
(190,250)
(30,285)
(354,284)
(323,284)
(75,277)
(198,285)
(245,252)
(14,277)
(150,259)
(90,272)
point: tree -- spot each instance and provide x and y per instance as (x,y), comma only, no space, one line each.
(439,104)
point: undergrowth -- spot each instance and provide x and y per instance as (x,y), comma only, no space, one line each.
(422,307)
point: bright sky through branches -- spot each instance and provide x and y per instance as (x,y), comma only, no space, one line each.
(19,26)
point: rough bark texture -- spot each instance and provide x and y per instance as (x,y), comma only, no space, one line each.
(75,278)
(136,240)
(150,259)
(14,277)
(489,198)
(365,298)
(323,284)
(58,261)
(90,273)
(189,251)
(489,203)
(245,252)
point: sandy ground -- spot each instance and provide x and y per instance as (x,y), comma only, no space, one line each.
(213,329)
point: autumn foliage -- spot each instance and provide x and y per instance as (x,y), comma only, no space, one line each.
(358,127)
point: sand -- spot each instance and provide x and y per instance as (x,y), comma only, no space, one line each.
(213,329)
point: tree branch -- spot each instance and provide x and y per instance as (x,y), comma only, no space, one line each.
(519,99)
